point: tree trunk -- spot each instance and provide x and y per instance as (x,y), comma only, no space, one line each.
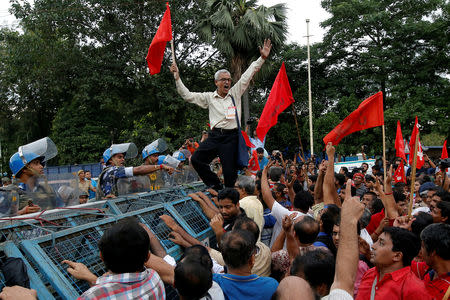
(238,63)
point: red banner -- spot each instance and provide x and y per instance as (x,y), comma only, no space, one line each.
(368,114)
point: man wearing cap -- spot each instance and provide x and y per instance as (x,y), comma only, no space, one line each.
(114,158)
(222,140)
(358,180)
(83,184)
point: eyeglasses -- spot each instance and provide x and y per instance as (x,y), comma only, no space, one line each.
(225,79)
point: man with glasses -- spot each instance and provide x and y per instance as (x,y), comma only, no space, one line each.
(222,140)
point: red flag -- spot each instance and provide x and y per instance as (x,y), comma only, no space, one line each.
(399,143)
(247,140)
(368,114)
(399,175)
(412,141)
(444,154)
(163,35)
(280,98)
(253,163)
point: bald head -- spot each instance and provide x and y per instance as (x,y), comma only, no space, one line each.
(291,287)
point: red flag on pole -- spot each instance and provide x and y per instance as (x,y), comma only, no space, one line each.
(163,35)
(444,154)
(399,175)
(399,143)
(412,141)
(247,140)
(368,114)
(280,98)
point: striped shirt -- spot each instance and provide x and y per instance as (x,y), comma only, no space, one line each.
(144,285)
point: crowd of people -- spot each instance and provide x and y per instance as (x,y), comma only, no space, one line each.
(284,229)
(293,227)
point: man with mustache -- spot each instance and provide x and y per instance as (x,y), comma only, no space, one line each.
(222,140)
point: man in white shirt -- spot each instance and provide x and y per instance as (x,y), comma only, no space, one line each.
(222,140)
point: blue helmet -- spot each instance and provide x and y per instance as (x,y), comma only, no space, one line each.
(17,162)
(128,149)
(147,151)
(179,155)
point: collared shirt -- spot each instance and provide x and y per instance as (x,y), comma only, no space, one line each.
(108,180)
(278,211)
(217,105)
(144,285)
(250,287)
(253,209)
(263,259)
(435,285)
(400,284)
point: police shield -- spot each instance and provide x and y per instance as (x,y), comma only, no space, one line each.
(9,200)
(129,149)
(159,145)
(134,184)
(44,147)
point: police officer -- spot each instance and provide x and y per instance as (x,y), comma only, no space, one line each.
(114,157)
(28,167)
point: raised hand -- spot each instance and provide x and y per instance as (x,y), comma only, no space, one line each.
(265,50)
(174,69)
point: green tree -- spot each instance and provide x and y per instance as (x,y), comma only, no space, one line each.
(400,48)
(237,27)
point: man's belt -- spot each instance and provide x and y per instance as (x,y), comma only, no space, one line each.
(222,130)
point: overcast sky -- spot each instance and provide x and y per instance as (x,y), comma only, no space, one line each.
(298,12)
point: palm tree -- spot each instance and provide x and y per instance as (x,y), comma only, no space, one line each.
(237,27)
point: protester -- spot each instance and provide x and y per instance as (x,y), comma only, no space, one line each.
(88,176)
(223,138)
(238,250)
(124,248)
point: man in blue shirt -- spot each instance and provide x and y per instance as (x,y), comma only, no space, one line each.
(238,251)
(262,160)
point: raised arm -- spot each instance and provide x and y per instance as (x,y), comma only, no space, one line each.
(348,250)
(201,99)
(210,213)
(330,195)
(387,197)
(265,189)
(147,169)
(318,188)
(246,77)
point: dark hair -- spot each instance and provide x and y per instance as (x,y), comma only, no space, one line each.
(445,210)
(340,178)
(279,187)
(237,247)
(329,218)
(372,194)
(399,197)
(352,188)
(375,167)
(192,279)
(436,237)
(260,150)
(245,223)
(313,178)
(125,247)
(421,221)
(193,274)
(303,200)
(307,230)
(317,267)
(275,173)
(377,205)
(229,193)
(404,241)
(200,252)
(443,195)
(345,169)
